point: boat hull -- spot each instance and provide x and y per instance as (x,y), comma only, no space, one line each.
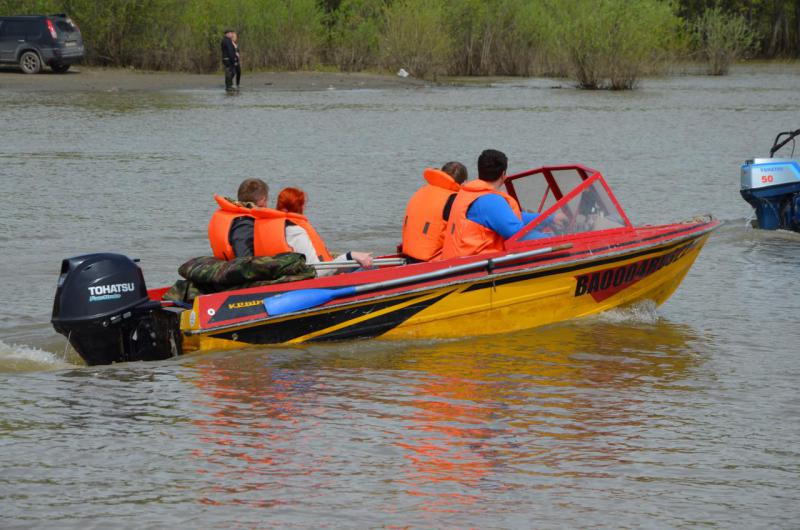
(522,297)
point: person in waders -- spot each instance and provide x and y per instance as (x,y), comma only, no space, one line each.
(229,59)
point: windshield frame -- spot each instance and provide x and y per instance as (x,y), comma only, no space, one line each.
(589,177)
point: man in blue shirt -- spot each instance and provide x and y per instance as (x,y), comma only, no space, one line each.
(483,215)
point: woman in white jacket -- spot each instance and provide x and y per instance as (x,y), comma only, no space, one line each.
(293,200)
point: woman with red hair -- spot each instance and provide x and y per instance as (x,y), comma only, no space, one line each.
(293,200)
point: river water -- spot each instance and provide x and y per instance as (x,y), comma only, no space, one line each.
(682,415)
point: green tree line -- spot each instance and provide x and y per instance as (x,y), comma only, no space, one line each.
(775,23)
(599,43)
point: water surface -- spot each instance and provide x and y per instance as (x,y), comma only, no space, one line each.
(682,415)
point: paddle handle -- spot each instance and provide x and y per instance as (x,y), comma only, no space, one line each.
(352,264)
(301,299)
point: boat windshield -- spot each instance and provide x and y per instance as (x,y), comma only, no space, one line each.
(567,201)
(539,190)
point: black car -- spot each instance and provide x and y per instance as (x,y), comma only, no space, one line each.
(31,41)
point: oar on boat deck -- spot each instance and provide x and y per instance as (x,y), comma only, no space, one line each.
(292,301)
(352,264)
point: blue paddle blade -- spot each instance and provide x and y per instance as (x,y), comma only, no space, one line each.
(292,301)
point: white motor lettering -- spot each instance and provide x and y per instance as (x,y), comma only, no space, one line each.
(114,288)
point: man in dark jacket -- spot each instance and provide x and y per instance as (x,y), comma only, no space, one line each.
(228,59)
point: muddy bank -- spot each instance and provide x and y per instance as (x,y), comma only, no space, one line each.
(111,80)
(84,78)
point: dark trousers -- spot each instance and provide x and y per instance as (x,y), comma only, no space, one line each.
(238,69)
(230,72)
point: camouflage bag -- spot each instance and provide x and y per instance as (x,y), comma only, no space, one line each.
(210,275)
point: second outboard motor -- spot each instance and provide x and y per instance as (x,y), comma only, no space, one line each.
(102,307)
(772,187)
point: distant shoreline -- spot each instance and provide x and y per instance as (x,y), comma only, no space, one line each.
(94,79)
(83,78)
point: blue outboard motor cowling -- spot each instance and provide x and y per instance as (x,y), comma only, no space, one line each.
(772,187)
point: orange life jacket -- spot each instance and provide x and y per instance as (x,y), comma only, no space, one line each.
(269,230)
(464,237)
(424,224)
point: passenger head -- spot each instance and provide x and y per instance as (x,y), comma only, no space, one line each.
(253,190)
(457,170)
(292,200)
(234,36)
(492,165)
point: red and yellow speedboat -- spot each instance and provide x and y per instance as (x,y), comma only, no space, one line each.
(596,261)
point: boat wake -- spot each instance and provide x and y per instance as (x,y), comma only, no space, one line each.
(645,312)
(22,358)
(739,230)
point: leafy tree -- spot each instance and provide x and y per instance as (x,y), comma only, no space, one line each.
(415,37)
(721,38)
(355,33)
(612,42)
(774,23)
(472,32)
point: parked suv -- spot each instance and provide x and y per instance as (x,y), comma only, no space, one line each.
(32,41)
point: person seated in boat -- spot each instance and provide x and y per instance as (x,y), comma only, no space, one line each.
(246,227)
(298,236)
(592,213)
(483,216)
(428,210)
(232,227)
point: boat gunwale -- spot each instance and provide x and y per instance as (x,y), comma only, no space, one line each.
(514,269)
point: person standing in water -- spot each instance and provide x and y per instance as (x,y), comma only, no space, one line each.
(229,59)
(238,63)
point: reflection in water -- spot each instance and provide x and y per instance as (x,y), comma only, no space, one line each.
(255,430)
(456,419)
(105,104)
(539,407)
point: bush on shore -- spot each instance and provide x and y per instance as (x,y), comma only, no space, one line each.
(721,38)
(505,37)
(613,42)
(415,37)
(355,34)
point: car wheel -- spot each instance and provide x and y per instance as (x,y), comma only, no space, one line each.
(30,63)
(59,68)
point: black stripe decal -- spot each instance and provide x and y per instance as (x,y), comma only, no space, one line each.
(591,251)
(277,332)
(570,268)
(379,325)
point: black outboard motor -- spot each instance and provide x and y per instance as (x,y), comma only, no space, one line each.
(102,307)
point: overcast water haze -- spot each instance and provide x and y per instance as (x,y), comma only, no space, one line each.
(685,415)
